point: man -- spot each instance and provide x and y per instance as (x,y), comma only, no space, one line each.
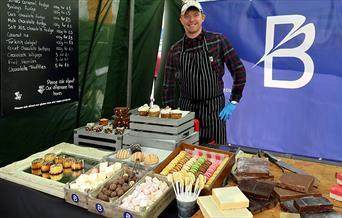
(196,63)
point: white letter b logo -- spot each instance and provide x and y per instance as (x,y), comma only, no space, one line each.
(297,52)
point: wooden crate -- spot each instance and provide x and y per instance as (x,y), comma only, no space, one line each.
(101,207)
(128,139)
(155,209)
(162,128)
(91,138)
(76,197)
(79,198)
(225,171)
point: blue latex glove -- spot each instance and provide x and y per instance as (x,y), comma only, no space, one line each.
(227,111)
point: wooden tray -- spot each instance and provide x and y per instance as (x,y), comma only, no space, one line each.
(225,171)
(105,208)
(15,172)
(155,209)
(79,198)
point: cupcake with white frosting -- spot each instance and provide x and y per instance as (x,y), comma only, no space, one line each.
(176,114)
(143,110)
(165,112)
(154,111)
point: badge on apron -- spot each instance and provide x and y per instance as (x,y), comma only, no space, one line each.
(211,59)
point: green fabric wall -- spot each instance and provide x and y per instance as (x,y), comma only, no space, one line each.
(173,31)
(146,36)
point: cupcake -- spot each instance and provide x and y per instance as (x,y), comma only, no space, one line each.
(67,162)
(143,110)
(59,158)
(46,166)
(154,111)
(37,163)
(165,112)
(176,114)
(77,164)
(56,169)
(49,157)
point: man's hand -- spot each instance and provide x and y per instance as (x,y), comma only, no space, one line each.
(227,111)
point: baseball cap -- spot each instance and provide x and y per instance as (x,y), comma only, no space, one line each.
(189,4)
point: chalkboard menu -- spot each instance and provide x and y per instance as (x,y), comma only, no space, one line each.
(39,53)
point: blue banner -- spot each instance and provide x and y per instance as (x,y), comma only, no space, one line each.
(292,51)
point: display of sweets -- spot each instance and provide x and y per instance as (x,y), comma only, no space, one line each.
(173,163)
(119,186)
(121,117)
(186,167)
(217,171)
(181,163)
(145,194)
(155,111)
(195,167)
(54,166)
(89,181)
(203,168)
(211,169)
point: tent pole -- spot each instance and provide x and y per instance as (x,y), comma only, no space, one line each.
(130,53)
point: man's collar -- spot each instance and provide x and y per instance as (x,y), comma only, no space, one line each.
(197,38)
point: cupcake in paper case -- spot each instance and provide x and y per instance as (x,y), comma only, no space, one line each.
(176,114)
(49,157)
(154,111)
(165,112)
(143,110)
(56,169)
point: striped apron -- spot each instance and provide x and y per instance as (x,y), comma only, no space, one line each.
(201,92)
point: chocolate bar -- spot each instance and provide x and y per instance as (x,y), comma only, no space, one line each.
(256,189)
(257,206)
(313,204)
(288,206)
(285,194)
(252,167)
(296,182)
(331,214)
(238,179)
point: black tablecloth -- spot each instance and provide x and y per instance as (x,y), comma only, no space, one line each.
(20,201)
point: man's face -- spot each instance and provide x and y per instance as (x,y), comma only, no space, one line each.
(192,21)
